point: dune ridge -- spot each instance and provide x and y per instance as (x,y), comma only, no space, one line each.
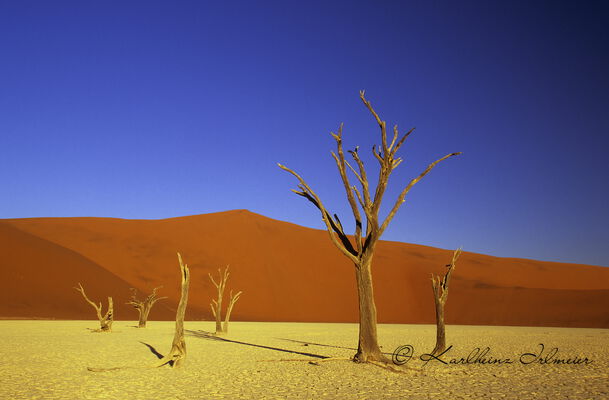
(287,273)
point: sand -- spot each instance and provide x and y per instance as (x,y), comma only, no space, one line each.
(286,272)
(49,360)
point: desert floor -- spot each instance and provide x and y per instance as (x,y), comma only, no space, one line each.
(49,360)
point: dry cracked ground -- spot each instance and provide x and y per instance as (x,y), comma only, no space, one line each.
(258,360)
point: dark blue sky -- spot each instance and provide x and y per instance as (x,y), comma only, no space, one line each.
(160,109)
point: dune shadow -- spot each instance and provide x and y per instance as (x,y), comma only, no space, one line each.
(211,336)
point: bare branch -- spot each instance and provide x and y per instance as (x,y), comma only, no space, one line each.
(450,267)
(152,297)
(364,177)
(402,195)
(338,224)
(359,178)
(229,309)
(377,155)
(213,280)
(154,300)
(395,137)
(381,123)
(324,213)
(340,164)
(82,291)
(397,146)
(369,106)
(235,298)
(359,197)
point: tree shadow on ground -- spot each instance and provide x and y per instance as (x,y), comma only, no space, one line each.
(317,344)
(325,345)
(208,335)
(153,350)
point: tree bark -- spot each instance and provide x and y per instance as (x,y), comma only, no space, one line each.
(440,329)
(218,314)
(368,348)
(143,317)
(108,318)
(177,354)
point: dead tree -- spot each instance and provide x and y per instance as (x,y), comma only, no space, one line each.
(440,294)
(231,303)
(216,305)
(177,354)
(106,320)
(144,306)
(361,251)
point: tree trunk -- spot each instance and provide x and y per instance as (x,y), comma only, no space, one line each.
(219,316)
(368,348)
(107,320)
(177,354)
(144,316)
(225,326)
(440,331)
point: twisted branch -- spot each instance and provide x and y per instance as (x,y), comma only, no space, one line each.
(401,197)
(343,245)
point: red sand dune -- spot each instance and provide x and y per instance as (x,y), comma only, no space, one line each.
(287,273)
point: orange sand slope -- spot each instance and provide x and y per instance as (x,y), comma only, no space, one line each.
(287,273)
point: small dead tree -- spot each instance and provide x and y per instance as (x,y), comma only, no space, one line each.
(440,294)
(106,320)
(361,252)
(216,305)
(144,306)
